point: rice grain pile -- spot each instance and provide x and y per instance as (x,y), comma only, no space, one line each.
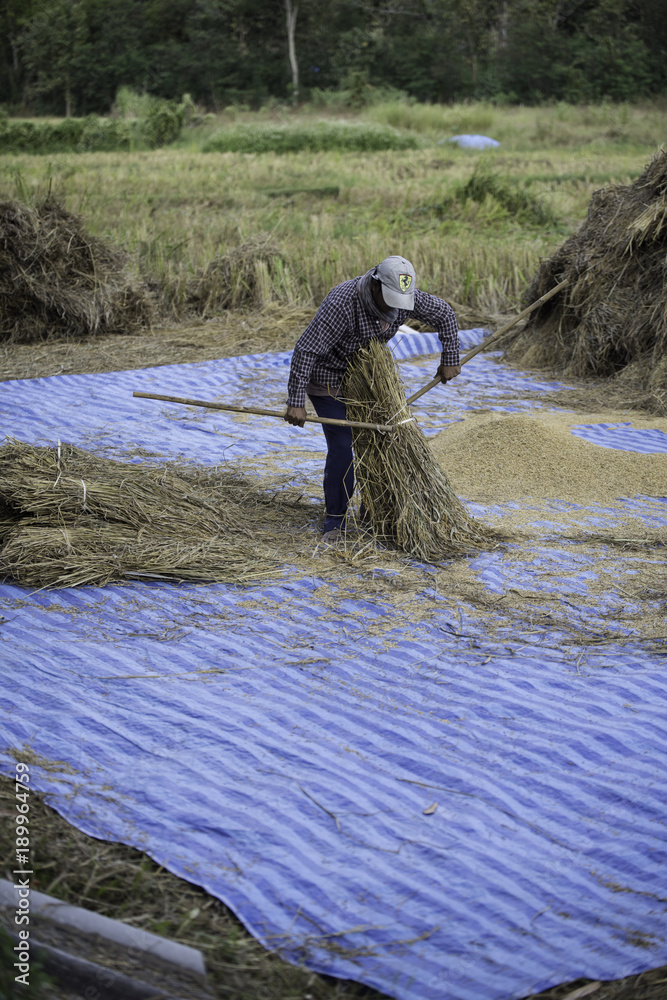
(506,457)
(68,518)
(57,281)
(611,320)
(406,494)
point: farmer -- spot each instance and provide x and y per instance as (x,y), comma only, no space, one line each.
(370,307)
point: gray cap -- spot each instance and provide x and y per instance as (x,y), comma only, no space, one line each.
(398,282)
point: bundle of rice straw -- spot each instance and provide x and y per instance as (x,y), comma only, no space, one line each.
(56,280)
(406,494)
(68,517)
(611,320)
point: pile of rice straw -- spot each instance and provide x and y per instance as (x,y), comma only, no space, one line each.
(56,280)
(611,320)
(68,517)
(243,277)
(405,493)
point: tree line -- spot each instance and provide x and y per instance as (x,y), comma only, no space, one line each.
(69,57)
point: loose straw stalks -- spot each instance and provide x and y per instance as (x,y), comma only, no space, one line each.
(69,518)
(406,494)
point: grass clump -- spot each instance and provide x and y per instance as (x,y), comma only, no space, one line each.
(92,134)
(316,137)
(523,206)
(611,320)
(56,280)
(160,124)
(69,518)
(406,494)
(435,119)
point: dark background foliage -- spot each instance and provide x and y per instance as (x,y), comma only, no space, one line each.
(70,56)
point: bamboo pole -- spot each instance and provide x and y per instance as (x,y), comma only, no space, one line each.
(485,343)
(262,412)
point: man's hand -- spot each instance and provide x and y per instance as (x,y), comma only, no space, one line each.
(448,372)
(296,415)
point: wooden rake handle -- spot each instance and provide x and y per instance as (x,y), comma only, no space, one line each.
(264,413)
(485,343)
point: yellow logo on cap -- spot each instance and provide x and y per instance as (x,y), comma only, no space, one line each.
(405,280)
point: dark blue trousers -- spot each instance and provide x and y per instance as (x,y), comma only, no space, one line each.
(339,466)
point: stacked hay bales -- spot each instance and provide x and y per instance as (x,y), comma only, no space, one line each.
(405,493)
(611,320)
(58,281)
(68,518)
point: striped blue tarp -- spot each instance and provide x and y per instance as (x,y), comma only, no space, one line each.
(442,805)
(624,437)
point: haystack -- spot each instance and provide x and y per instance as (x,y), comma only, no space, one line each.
(240,278)
(58,281)
(611,320)
(406,494)
(68,517)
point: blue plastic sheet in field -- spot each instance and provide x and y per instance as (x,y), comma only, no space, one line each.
(443,805)
(473,141)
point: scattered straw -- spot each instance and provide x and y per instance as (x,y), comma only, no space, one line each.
(229,334)
(407,495)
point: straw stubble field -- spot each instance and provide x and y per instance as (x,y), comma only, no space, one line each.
(309,220)
(236,250)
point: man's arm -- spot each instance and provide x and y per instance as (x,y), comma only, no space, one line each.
(442,318)
(299,377)
(327,327)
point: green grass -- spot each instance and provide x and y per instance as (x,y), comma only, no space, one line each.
(318,137)
(531,128)
(436,119)
(70,135)
(332,214)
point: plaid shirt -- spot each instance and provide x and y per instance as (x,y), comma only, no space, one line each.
(341,325)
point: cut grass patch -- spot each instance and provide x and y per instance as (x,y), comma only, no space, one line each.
(319,137)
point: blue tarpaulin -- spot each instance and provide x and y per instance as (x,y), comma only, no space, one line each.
(441,804)
(473,141)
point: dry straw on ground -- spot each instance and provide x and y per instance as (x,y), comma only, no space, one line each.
(611,320)
(57,281)
(245,276)
(69,518)
(406,494)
